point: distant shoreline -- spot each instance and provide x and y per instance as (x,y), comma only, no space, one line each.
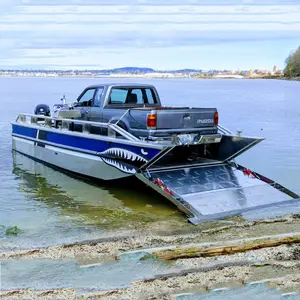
(291,79)
(145,76)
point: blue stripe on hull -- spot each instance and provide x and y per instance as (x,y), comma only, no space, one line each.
(83,143)
(95,145)
(25,131)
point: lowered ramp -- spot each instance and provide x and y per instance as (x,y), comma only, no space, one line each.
(206,188)
(217,191)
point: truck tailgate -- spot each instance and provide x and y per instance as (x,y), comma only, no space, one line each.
(172,118)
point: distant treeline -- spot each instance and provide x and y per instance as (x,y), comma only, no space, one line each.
(292,68)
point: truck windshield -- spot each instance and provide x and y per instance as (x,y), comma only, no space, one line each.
(133,96)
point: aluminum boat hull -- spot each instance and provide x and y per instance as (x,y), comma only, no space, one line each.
(88,155)
(200,178)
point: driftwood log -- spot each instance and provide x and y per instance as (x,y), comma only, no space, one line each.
(226,248)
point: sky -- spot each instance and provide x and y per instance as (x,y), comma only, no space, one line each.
(161,34)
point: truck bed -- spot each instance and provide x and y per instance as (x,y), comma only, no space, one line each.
(174,120)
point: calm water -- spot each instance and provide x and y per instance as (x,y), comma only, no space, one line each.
(50,207)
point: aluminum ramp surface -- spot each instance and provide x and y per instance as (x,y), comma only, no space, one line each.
(211,192)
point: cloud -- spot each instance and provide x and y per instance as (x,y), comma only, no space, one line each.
(62,32)
(156,2)
(8,5)
(221,57)
(137,39)
(158,9)
(160,19)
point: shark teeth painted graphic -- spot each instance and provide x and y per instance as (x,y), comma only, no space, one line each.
(124,160)
(119,166)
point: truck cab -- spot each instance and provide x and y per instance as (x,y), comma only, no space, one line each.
(115,99)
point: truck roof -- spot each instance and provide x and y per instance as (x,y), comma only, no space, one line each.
(121,84)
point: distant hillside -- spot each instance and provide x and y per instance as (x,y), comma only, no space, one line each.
(129,70)
(184,71)
(144,70)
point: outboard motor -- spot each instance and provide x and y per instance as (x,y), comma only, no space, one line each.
(42,109)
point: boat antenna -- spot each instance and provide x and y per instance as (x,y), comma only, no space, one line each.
(63,99)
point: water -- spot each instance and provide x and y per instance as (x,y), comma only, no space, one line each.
(51,207)
(51,274)
(253,292)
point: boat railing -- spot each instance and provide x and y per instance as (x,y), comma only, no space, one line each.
(224,130)
(113,130)
(66,124)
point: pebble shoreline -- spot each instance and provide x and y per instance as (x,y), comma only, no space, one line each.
(272,263)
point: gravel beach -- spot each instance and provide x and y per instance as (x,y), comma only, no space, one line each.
(278,266)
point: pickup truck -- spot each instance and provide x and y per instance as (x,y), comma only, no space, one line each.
(137,109)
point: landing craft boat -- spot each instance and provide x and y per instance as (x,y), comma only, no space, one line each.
(114,131)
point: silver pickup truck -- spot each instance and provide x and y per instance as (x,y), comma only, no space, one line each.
(137,109)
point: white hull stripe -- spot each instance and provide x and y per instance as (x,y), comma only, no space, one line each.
(60,150)
(73,153)
(23,140)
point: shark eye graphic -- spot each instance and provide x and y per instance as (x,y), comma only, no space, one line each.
(124,160)
(144,152)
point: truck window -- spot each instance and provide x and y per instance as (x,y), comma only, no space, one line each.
(150,96)
(87,98)
(139,96)
(118,96)
(132,96)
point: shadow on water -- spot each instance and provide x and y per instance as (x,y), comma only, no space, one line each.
(126,202)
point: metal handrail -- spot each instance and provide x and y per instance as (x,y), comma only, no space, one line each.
(65,122)
(100,124)
(123,116)
(224,130)
(123,132)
